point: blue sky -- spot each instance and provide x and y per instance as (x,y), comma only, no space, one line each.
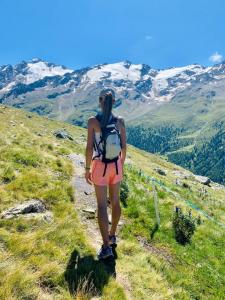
(79,33)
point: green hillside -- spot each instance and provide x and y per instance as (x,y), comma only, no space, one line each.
(189,130)
(37,256)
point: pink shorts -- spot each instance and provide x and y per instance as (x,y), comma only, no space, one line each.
(97,170)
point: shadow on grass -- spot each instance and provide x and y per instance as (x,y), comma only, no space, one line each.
(154,230)
(87,275)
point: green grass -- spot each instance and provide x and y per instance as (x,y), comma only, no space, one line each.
(41,260)
(200,262)
(36,255)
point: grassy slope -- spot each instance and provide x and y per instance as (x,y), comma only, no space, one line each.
(196,114)
(36,256)
(198,271)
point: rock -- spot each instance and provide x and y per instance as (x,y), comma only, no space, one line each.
(28,207)
(88,192)
(178,182)
(39,134)
(181,174)
(89,212)
(161,171)
(13,123)
(182,184)
(203,179)
(47,216)
(185,185)
(62,134)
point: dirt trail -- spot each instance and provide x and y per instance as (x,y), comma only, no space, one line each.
(87,210)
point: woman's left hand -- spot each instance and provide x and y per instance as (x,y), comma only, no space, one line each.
(88,177)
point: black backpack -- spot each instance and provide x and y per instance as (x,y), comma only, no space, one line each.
(110,141)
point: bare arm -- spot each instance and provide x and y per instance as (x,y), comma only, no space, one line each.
(89,148)
(123,139)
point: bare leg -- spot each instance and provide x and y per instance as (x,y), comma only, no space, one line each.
(101,195)
(115,204)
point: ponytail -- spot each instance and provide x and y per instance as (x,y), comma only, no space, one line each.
(107,109)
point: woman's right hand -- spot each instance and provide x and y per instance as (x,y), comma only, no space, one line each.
(88,177)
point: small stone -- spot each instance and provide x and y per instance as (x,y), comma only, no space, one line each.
(161,171)
(89,210)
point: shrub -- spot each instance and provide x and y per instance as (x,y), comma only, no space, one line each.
(50,147)
(8,175)
(184,226)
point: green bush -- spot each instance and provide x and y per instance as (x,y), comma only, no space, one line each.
(184,226)
(8,175)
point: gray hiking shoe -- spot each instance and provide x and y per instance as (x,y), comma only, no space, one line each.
(105,252)
(112,240)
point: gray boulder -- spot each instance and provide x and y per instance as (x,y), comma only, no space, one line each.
(203,179)
(62,134)
(28,207)
(161,171)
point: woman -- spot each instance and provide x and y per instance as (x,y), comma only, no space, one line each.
(103,176)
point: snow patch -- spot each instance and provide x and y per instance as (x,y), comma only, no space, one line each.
(116,71)
(40,70)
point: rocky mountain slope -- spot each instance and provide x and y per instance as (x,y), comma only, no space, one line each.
(139,88)
(181,109)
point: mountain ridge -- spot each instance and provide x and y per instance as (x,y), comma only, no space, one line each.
(186,99)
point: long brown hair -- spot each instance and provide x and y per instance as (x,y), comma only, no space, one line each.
(106,109)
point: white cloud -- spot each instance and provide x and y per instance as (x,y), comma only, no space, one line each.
(148,37)
(216,57)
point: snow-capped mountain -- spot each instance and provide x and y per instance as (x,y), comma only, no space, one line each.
(28,72)
(59,91)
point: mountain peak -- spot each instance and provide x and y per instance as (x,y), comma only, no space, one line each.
(36,60)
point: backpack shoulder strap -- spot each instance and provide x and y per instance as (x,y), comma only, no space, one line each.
(98,117)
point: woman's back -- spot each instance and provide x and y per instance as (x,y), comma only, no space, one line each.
(97,137)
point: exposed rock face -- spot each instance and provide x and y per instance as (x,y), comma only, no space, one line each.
(19,83)
(181,174)
(203,179)
(30,208)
